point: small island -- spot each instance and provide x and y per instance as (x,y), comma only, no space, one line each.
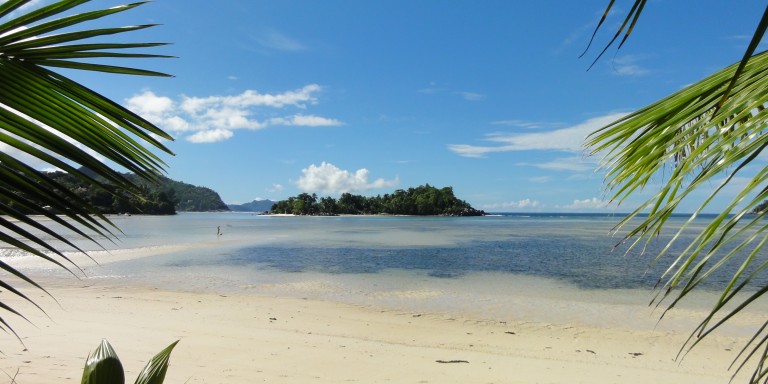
(424,200)
(760,208)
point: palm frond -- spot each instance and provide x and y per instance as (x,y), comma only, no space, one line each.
(704,137)
(708,134)
(46,117)
(103,366)
(154,371)
(627,27)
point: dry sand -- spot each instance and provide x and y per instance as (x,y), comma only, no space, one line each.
(242,338)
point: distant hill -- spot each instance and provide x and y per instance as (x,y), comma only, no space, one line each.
(190,198)
(165,197)
(253,206)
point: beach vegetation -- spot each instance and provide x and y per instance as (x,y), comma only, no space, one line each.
(163,196)
(760,208)
(48,120)
(709,137)
(104,367)
(424,200)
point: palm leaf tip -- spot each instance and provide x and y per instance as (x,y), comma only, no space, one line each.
(103,366)
(154,371)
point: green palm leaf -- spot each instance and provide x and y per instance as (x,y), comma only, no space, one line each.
(708,134)
(46,117)
(103,366)
(154,371)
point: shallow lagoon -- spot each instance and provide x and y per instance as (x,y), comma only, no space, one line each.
(539,267)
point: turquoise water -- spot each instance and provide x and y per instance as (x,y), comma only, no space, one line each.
(543,267)
(575,249)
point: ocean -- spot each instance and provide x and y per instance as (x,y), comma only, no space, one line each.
(532,266)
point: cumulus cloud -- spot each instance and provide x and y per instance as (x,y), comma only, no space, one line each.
(215,118)
(327,178)
(570,139)
(593,203)
(160,110)
(210,136)
(513,205)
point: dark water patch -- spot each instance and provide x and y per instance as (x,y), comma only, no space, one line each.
(587,262)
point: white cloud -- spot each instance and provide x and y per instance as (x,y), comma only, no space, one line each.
(150,104)
(593,203)
(570,139)
(305,121)
(328,178)
(210,136)
(252,98)
(573,164)
(215,118)
(513,205)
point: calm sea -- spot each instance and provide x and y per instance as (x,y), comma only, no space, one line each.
(579,249)
(491,265)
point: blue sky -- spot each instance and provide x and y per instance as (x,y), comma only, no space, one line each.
(274,98)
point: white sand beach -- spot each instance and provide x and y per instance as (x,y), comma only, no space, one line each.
(249,323)
(241,338)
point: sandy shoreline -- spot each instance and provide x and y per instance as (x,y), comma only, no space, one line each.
(247,323)
(245,338)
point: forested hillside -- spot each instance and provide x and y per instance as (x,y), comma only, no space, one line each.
(164,198)
(422,200)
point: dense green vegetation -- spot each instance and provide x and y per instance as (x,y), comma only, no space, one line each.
(164,197)
(422,200)
(760,208)
(188,197)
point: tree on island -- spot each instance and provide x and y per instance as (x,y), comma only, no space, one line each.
(713,129)
(424,200)
(760,208)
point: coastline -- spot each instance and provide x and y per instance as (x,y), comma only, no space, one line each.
(243,320)
(246,338)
